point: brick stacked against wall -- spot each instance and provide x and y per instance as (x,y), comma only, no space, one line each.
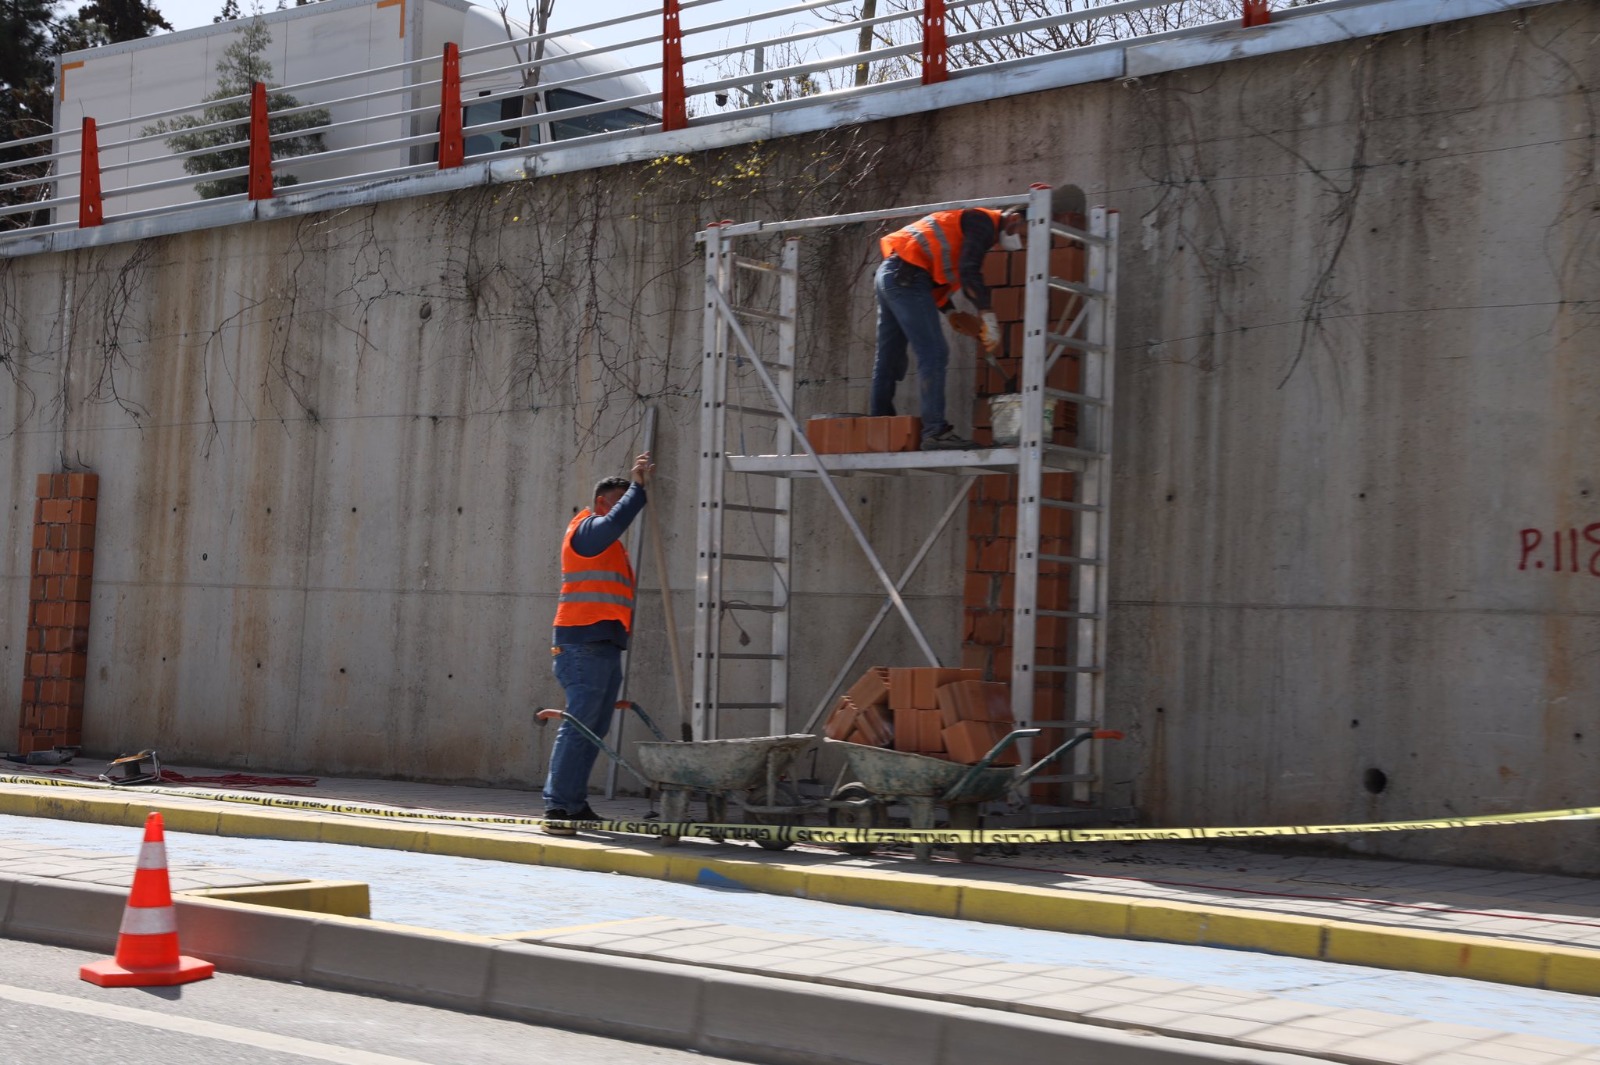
(58,612)
(992,510)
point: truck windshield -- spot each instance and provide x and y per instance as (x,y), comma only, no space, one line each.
(485,141)
(585,125)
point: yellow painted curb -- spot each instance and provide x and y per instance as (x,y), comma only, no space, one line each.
(911,892)
(343,898)
(1044,908)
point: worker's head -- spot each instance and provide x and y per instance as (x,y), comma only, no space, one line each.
(607,491)
(1013,224)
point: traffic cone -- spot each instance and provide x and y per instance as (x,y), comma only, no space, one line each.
(147,944)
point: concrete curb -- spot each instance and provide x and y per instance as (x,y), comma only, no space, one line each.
(754,1018)
(1551,968)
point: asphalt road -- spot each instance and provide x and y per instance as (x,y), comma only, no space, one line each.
(50,1017)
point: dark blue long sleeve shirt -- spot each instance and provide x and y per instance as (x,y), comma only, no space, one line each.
(593,535)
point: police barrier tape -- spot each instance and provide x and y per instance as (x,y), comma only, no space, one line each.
(831,835)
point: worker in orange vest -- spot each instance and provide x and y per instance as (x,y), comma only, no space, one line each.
(923,264)
(594,618)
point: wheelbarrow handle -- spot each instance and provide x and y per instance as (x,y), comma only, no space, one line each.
(1083,737)
(649,724)
(588,733)
(986,761)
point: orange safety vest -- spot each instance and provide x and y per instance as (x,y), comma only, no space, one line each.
(934,243)
(594,589)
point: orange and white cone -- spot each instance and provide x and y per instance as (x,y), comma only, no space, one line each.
(147,944)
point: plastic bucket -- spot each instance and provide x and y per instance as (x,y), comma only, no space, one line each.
(1005,415)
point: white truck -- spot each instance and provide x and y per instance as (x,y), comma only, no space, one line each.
(118,82)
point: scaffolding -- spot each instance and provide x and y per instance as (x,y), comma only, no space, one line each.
(748,374)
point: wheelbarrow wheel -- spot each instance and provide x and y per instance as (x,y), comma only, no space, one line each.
(853,806)
(777,820)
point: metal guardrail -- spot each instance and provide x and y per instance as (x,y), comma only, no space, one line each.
(690,87)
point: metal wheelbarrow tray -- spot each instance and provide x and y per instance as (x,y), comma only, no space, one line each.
(880,776)
(752,770)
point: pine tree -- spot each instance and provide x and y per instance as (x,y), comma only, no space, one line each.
(241,66)
(25,77)
(124,20)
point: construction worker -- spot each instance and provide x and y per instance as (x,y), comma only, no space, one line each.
(923,264)
(594,618)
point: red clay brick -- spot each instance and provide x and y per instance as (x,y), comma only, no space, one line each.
(871,689)
(902,689)
(997,488)
(42,486)
(39,664)
(1067,263)
(83,485)
(35,639)
(74,537)
(41,537)
(1006,304)
(990,628)
(73,664)
(907,730)
(56,511)
(57,640)
(1019,267)
(81,511)
(926,681)
(877,434)
(75,694)
(977,591)
(75,615)
(996,269)
(875,723)
(50,563)
(975,657)
(1050,632)
(981,518)
(79,563)
(905,433)
(994,555)
(37,588)
(842,719)
(74,589)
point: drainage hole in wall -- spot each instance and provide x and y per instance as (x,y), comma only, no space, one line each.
(1355,722)
(341,669)
(269,510)
(449,676)
(1375,780)
(204,556)
(1161,709)
(458,510)
(352,510)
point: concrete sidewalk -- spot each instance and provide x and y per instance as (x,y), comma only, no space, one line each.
(1537,931)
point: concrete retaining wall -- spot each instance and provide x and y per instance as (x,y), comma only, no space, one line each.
(1356,418)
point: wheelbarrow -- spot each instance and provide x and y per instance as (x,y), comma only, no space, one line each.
(880,776)
(752,772)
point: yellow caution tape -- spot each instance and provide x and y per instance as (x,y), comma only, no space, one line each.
(829,835)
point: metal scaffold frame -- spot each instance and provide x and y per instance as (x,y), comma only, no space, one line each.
(1085,327)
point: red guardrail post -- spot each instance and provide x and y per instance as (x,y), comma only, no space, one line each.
(674,106)
(452,148)
(259,182)
(1256,13)
(90,209)
(935,58)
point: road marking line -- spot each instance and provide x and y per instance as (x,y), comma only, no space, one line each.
(206,1029)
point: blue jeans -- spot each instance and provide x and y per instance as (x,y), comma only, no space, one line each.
(591,675)
(907,314)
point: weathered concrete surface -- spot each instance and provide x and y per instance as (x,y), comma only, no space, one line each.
(1356,342)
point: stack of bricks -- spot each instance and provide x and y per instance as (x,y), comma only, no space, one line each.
(992,511)
(58,612)
(850,435)
(975,715)
(861,714)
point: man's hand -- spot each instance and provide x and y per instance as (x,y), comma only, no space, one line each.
(642,469)
(966,324)
(990,334)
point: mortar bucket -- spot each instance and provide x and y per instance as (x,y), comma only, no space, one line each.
(1005,415)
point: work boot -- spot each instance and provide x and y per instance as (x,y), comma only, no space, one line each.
(587,814)
(947,439)
(558,814)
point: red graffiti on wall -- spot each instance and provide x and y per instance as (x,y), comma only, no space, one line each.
(1564,551)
